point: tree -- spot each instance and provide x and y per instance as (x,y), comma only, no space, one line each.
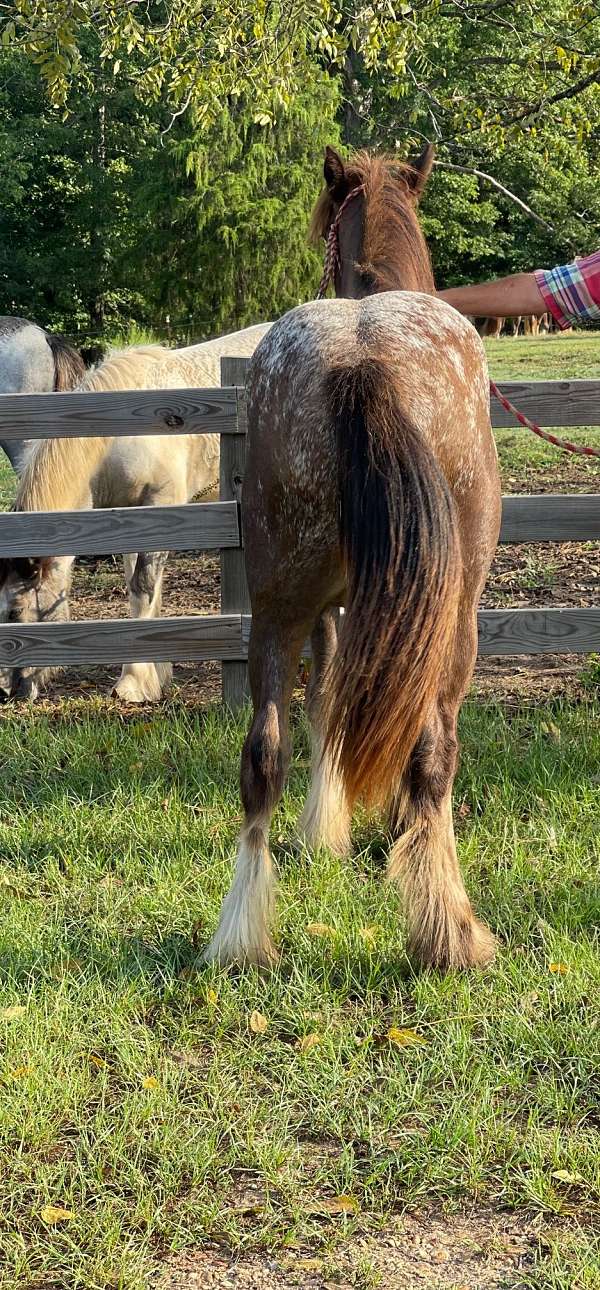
(67,190)
(489,65)
(228,211)
(119,214)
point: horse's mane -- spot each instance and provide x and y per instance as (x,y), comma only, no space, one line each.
(392,232)
(124,369)
(53,466)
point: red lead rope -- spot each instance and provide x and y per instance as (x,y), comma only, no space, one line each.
(565,444)
(332,260)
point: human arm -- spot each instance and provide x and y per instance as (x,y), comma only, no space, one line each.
(504,298)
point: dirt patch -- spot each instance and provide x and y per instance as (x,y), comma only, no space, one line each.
(477,1250)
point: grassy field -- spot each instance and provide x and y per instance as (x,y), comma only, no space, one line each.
(142,1099)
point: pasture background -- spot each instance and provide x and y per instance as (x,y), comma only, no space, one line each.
(135,1092)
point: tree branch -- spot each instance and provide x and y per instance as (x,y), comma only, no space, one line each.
(569,93)
(481,174)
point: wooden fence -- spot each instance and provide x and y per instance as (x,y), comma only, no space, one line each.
(216,526)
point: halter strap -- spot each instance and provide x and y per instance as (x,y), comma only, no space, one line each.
(332,249)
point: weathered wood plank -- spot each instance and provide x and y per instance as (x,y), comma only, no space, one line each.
(122,412)
(124,640)
(212,411)
(539,631)
(203,526)
(523,631)
(235,597)
(551,517)
(549,403)
(213,525)
(225,636)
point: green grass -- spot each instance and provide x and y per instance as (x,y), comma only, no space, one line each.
(543,358)
(135,1094)
(116,847)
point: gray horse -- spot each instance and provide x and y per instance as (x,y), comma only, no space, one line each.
(33,361)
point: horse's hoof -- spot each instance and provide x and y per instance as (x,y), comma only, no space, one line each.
(129,690)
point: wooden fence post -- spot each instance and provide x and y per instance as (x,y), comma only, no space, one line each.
(235,598)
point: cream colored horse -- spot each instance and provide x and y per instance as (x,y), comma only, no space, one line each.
(79,474)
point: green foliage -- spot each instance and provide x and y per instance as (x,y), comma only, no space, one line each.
(112,217)
(236,199)
(170,184)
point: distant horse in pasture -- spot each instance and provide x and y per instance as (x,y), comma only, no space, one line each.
(371,480)
(79,474)
(33,361)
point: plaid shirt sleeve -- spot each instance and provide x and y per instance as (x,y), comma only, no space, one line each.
(572,291)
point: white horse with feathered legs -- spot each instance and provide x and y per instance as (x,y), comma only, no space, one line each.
(149,470)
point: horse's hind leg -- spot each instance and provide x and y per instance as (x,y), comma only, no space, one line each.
(244,931)
(443,931)
(144,682)
(325,820)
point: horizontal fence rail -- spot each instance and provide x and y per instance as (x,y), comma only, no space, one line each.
(209,526)
(121,529)
(550,403)
(550,517)
(226,636)
(122,640)
(123,412)
(222,411)
(216,526)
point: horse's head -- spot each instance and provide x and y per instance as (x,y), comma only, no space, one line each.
(32,590)
(370,203)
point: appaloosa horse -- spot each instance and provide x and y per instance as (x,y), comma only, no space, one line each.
(371,479)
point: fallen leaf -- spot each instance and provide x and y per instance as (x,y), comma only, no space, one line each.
(56,1214)
(258,1023)
(341,1205)
(149,1081)
(563,1175)
(368,934)
(405,1037)
(11,1014)
(59,970)
(560,968)
(320,929)
(307,1042)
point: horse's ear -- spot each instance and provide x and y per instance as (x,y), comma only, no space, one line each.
(333,170)
(420,170)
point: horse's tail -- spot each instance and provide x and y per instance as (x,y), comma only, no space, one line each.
(400,543)
(69,367)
